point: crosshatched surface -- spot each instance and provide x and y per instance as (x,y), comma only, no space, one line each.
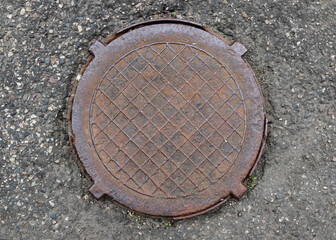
(168,120)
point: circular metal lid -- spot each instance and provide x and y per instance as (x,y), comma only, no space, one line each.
(168,119)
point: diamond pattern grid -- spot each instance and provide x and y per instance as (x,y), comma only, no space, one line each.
(167,120)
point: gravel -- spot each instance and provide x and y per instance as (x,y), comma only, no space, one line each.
(44,195)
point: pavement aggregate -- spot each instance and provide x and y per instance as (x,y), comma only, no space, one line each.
(44,194)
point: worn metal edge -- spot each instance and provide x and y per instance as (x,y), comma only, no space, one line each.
(261,150)
(265,134)
(216,205)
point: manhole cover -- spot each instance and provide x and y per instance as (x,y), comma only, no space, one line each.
(168,119)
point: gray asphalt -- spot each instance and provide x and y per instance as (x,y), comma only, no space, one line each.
(44,195)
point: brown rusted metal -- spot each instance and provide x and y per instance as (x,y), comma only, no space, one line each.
(262,147)
(168,119)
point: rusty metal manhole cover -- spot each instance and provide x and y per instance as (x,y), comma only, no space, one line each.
(168,119)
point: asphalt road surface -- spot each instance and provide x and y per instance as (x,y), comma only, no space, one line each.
(44,195)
